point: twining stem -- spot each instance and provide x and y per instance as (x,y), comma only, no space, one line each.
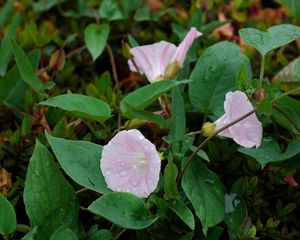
(188,161)
(285,94)
(261,74)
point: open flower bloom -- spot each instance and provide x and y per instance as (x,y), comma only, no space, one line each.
(153,60)
(130,163)
(248,132)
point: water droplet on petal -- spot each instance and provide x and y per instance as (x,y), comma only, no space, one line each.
(123,173)
(134,182)
(247,124)
(252,135)
(108,172)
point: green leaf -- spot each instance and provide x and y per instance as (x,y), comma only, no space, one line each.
(269,151)
(144,96)
(12,87)
(289,75)
(81,161)
(265,107)
(184,213)
(170,175)
(8,221)
(123,209)
(140,114)
(63,233)
(242,78)
(292,108)
(5,48)
(235,213)
(95,37)
(188,236)
(215,75)
(103,234)
(48,197)
(31,235)
(83,106)
(26,70)
(42,5)
(178,123)
(293,6)
(205,191)
(110,10)
(5,12)
(273,38)
(287,209)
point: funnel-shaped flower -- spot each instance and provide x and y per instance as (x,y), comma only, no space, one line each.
(248,132)
(153,60)
(130,163)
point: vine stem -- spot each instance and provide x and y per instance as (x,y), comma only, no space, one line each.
(202,144)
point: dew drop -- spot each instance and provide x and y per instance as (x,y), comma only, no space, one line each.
(251,135)
(134,182)
(123,173)
(213,69)
(108,172)
(246,124)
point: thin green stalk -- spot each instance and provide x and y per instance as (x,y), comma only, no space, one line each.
(261,74)
(119,234)
(285,94)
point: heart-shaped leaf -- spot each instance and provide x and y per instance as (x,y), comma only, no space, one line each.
(81,161)
(95,37)
(273,38)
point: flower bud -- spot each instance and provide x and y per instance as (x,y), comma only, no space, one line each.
(208,129)
(58,60)
(135,123)
(126,50)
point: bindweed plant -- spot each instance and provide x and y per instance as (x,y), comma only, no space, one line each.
(194,147)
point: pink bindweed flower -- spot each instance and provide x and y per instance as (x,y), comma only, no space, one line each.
(130,163)
(153,60)
(248,132)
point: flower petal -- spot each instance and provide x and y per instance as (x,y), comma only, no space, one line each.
(152,59)
(221,122)
(248,132)
(184,46)
(130,163)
